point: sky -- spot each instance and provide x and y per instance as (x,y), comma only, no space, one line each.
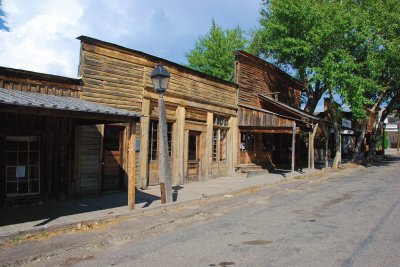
(41,35)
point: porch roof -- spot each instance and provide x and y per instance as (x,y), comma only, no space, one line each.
(51,105)
(290,111)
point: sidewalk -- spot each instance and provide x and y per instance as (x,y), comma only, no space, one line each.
(26,219)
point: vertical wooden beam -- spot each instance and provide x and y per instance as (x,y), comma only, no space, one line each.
(144,143)
(100,128)
(293,145)
(233,145)
(180,144)
(185,156)
(131,165)
(312,158)
(209,137)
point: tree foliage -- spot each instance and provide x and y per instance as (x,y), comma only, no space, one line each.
(213,52)
(343,47)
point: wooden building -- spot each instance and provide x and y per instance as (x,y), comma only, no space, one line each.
(273,131)
(51,141)
(201,111)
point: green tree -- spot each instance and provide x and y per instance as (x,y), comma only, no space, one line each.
(345,48)
(213,52)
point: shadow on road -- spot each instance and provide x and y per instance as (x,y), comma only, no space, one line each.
(48,212)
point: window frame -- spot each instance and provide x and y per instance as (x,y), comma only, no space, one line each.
(30,165)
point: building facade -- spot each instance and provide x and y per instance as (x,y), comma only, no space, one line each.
(45,154)
(201,111)
(273,131)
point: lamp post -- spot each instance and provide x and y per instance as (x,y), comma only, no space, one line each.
(160,78)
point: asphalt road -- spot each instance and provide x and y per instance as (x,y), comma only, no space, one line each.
(344,220)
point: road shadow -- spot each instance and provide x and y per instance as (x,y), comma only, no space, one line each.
(45,213)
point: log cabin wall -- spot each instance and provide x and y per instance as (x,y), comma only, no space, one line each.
(119,77)
(34,82)
(256,76)
(42,149)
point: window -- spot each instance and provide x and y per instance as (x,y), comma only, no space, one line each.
(111,138)
(247,141)
(153,144)
(219,142)
(22,165)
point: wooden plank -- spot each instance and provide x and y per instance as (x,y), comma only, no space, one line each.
(131,166)
(144,143)
(180,144)
(293,146)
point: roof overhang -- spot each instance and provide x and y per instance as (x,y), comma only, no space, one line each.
(289,111)
(57,106)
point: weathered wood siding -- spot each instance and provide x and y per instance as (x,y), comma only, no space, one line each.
(39,83)
(57,137)
(119,77)
(256,76)
(89,160)
(257,118)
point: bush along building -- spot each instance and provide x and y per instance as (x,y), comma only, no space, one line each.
(201,111)
(273,131)
(47,148)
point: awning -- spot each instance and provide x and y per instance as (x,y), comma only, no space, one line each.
(290,111)
(51,105)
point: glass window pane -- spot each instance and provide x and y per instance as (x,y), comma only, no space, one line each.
(11,174)
(23,187)
(12,158)
(12,188)
(34,158)
(214,148)
(34,186)
(22,146)
(23,158)
(12,145)
(34,172)
(34,145)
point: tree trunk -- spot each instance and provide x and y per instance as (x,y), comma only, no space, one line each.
(338,146)
(357,150)
(372,149)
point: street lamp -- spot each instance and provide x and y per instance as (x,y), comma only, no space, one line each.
(160,78)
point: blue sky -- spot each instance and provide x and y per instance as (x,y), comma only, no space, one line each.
(40,35)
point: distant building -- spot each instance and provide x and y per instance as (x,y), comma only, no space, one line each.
(392,124)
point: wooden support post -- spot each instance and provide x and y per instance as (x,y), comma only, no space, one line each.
(233,144)
(209,138)
(131,165)
(293,145)
(180,144)
(144,143)
(312,147)
(165,176)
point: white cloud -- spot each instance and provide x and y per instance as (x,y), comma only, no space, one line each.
(42,33)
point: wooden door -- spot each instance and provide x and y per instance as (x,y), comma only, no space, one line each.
(112,158)
(193,156)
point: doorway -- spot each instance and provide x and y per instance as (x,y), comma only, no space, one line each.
(112,158)
(193,156)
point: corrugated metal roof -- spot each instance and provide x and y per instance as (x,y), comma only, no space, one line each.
(27,99)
